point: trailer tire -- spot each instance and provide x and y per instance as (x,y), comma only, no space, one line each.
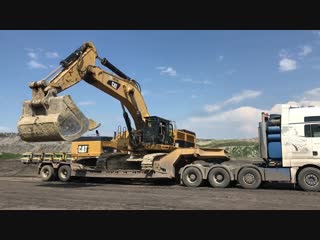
(64,173)
(219,178)
(47,173)
(309,179)
(192,177)
(249,178)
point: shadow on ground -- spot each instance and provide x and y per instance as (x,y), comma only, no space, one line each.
(92,182)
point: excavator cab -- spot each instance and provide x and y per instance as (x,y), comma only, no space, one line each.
(157,130)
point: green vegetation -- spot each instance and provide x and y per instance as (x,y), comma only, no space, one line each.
(2,134)
(9,156)
(237,148)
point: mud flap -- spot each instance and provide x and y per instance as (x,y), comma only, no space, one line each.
(59,119)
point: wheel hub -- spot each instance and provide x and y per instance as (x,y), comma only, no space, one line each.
(311,180)
(64,173)
(219,177)
(46,172)
(192,177)
(249,178)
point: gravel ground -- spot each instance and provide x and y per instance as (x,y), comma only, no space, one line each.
(21,188)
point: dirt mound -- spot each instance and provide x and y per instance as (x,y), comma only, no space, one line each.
(14,168)
(13,143)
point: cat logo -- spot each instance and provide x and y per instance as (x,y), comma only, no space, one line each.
(83,148)
(113,84)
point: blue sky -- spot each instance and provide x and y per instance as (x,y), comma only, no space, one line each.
(215,83)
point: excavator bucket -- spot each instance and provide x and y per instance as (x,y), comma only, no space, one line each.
(59,120)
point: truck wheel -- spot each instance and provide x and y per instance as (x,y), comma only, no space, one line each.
(192,177)
(47,173)
(219,178)
(249,178)
(309,179)
(64,173)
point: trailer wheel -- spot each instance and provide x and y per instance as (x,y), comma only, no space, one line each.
(47,173)
(192,177)
(64,173)
(219,178)
(249,178)
(309,179)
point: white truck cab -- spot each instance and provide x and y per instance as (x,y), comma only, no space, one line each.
(300,134)
(291,142)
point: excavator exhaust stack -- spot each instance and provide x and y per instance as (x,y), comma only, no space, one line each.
(53,119)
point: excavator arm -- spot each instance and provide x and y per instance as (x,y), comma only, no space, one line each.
(49,117)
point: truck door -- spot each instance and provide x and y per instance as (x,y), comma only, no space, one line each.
(313,132)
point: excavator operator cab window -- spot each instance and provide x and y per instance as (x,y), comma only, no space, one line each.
(162,128)
(170,130)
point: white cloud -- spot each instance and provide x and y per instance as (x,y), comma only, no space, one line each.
(287,64)
(313,92)
(305,50)
(52,54)
(287,60)
(220,58)
(213,107)
(245,94)
(190,80)
(87,103)
(283,53)
(241,122)
(36,55)
(167,71)
(33,64)
(32,55)
(194,96)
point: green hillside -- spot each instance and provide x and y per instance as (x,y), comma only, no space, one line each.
(9,156)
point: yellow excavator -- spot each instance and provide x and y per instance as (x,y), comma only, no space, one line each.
(48,117)
(156,148)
